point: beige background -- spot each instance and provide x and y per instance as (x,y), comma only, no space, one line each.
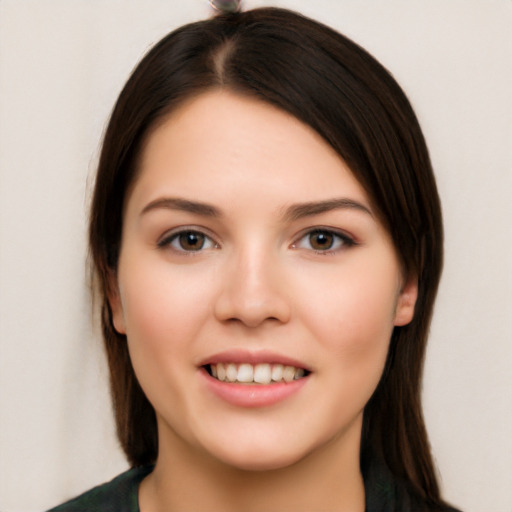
(62,63)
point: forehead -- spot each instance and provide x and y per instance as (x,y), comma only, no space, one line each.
(220,142)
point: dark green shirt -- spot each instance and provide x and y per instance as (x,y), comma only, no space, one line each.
(383,493)
(118,495)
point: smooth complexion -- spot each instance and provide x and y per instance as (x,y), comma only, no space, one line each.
(247,239)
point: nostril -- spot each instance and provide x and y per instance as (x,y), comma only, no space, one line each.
(251,300)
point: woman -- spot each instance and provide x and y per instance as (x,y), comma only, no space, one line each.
(267,241)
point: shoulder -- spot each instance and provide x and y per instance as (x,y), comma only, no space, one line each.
(387,493)
(120,494)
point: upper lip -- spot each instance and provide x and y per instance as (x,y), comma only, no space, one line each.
(238,356)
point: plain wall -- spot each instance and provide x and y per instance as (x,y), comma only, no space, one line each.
(62,64)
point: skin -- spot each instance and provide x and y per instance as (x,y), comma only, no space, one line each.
(260,282)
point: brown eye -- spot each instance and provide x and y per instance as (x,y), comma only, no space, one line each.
(324,241)
(321,240)
(187,241)
(191,241)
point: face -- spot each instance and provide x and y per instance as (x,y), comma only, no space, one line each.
(257,289)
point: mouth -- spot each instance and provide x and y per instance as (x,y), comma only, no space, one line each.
(253,379)
(259,374)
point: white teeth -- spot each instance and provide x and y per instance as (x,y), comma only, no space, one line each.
(277,372)
(262,373)
(231,372)
(221,371)
(245,373)
(288,373)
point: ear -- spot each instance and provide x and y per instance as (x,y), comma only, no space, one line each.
(116,306)
(406,302)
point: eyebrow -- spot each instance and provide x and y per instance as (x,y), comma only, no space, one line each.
(299,211)
(292,213)
(185,205)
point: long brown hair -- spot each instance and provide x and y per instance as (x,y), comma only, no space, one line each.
(336,87)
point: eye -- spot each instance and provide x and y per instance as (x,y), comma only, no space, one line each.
(188,240)
(323,241)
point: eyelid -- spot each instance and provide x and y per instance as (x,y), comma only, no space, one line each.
(165,240)
(347,239)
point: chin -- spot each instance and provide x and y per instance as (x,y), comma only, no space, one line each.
(260,458)
(260,463)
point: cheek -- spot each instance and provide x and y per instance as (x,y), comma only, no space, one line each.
(157,297)
(164,309)
(353,334)
(353,320)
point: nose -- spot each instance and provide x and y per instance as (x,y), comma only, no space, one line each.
(253,291)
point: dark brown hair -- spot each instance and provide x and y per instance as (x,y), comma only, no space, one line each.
(336,87)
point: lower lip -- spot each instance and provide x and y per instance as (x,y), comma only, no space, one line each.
(252,395)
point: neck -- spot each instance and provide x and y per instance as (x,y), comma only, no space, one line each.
(329,479)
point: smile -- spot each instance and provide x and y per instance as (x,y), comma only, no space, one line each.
(263,373)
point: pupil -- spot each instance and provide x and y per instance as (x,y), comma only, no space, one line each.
(191,241)
(321,240)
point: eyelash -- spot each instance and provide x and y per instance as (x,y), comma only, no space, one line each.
(339,239)
(169,238)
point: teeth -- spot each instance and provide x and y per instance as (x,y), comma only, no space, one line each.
(277,372)
(288,373)
(245,373)
(221,371)
(231,373)
(263,373)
